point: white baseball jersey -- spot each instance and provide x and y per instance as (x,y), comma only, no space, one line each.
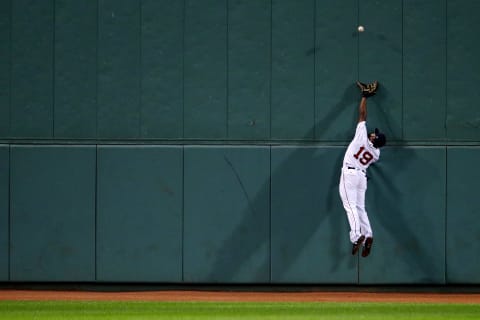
(360,152)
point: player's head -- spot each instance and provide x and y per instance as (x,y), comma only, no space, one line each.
(378,139)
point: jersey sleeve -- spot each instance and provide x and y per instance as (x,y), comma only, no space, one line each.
(361,132)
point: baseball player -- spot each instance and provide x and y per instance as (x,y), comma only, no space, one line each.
(361,153)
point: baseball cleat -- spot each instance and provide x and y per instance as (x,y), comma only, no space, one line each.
(367,247)
(357,244)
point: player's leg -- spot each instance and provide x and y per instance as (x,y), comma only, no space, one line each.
(348,194)
(366,228)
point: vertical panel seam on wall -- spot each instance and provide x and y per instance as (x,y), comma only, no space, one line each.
(445,137)
(95,227)
(9,222)
(97,68)
(314,68)
(140,75)
(270,214)
(358,40)
(227,102)
(271,73)
(182,246)
(358,77)
(53,67)
(445,218)
(9,145)
(446,72)
(403,71)
(183,67)
(10,70)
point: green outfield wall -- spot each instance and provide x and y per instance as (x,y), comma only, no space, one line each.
(154,141)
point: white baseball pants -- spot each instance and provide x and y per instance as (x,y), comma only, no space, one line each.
(353,186)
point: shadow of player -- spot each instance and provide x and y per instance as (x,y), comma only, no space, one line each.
(302,172)
(399,209)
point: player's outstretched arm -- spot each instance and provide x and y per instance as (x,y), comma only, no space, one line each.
(362,110)
(367,90)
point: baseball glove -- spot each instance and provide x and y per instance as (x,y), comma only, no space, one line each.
(369,89)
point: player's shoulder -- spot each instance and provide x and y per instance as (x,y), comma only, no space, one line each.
(361,125)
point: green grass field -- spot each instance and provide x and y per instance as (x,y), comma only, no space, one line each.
(214,310)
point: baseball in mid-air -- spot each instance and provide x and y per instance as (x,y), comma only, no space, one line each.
(361,29)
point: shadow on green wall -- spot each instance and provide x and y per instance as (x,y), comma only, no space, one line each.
(231,257)
(401,197)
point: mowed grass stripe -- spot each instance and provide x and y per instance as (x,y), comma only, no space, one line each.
(228,310)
